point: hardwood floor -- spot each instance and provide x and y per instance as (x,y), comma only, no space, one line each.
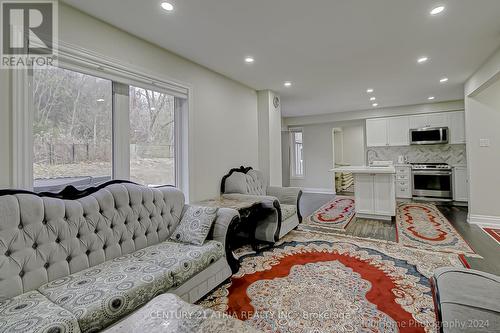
(482,243)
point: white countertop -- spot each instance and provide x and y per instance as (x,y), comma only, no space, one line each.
(365,169)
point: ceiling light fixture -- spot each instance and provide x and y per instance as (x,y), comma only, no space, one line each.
(430,98)
(249,60)
(167,6)
(100,100)
(422,60)
(287,84)
(370,90)
(437,10)
(372,98)
(443,80)
(375,105)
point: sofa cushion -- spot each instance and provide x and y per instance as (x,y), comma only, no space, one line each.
(287,211)
(33,312)
(195,225)
(183,260)
(103,294)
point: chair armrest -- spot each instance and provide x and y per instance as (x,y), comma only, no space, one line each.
(266,200)
(286,195)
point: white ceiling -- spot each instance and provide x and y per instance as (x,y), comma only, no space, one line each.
(332,50)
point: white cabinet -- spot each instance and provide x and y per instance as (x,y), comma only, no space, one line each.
(457,127)
(429,120)
(375,196)
(394,131)
(460,188)
(398,131)
(403,182)
(376,132)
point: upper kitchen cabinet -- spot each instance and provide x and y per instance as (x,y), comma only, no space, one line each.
(392,131)
(429,120)
(457,127)
(398,129)
(376,132)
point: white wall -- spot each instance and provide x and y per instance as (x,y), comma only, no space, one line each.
(4,129)
(318,152)
(223,114)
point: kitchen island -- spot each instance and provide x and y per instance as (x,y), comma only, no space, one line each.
(374,191)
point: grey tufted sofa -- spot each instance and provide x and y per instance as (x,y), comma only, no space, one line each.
(82,264)
(246,183)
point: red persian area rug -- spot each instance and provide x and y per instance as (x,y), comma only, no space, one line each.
(493,232)
(313,282)
(423,226)
(337,214)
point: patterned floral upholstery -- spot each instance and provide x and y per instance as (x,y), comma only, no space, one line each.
(183,260)
(287,211)
(103,294)
(195,225)
(33,312)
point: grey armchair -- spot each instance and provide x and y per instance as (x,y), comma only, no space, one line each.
(249,184)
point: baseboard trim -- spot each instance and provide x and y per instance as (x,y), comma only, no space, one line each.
(318,190)
(484,220)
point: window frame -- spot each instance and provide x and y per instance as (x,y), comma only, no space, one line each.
(87,62)
(293,155)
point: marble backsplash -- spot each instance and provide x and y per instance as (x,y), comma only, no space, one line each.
(451,154)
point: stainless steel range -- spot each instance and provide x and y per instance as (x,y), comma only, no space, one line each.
(432,181)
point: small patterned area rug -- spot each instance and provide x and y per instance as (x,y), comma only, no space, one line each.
(335,215)
(493,232)
(313,282)
(423,226)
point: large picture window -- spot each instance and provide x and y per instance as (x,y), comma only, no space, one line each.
(152,137)
(72,129)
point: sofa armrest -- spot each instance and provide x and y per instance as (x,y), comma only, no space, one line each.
(266,200)
(225,216)
(286,195)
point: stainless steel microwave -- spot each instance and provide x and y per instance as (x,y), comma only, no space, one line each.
(429,136)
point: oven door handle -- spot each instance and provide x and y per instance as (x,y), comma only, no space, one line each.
(433,173)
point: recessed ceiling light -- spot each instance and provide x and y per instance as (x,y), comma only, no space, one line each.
(287,84)
(430,98)
(443,80)
(249,60)
(437,10)
(153,109)
(100,100)
(375,105)
(370,90)
(422,59)
(372,98)
(167,6)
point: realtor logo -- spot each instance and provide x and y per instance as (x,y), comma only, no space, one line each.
(28,33)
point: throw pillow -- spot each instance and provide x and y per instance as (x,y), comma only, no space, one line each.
(195,225)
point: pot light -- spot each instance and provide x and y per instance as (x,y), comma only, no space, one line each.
(249,60)
(375,105)
(422,60)
(370,90)
(167,6)
(153,109)
(100,100)
(430,98)
(372,98)
(443,80)
(287,84)
(437,10)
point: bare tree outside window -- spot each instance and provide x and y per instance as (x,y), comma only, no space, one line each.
(72,128)
(152,149)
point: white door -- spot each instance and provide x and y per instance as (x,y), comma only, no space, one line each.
(383,184)
(376,132)
(363,193)
(399,131)
(460,189)
(457,127)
